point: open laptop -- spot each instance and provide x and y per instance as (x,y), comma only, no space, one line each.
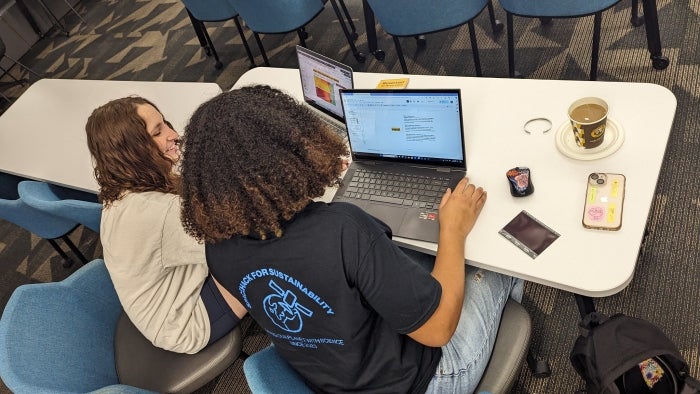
(322,78)
(414,139)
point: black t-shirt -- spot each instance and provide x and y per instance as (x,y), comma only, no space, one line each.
(336,297)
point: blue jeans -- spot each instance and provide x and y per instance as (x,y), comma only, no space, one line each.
(465,357)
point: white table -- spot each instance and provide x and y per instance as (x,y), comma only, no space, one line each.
(587,262)
(42,135)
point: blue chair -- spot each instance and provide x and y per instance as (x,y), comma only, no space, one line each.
(277,17)
(268,373)
(43,224)
(403,18)
(71,204)
(545,10)
(73,337)
(201,11)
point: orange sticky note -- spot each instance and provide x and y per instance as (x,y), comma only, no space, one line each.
(398,83)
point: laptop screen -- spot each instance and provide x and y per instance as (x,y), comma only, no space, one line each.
(321,80)
(408,125)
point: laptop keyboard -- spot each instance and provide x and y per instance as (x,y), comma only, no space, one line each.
(337,128)
(408,190)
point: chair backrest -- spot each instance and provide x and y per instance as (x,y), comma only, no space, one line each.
(211,10)
(555,8)
(74,205)
(14,210)
(413,17)
(59,337)
(277,16)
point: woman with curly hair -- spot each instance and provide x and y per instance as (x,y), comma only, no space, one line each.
(159,272)
(348,309)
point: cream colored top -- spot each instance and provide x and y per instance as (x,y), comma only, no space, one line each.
(157,269)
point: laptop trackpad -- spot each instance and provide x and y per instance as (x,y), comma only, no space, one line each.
(420,224)
(392,216)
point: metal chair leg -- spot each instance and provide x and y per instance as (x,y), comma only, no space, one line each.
(245,42)
(16,81)
(75,12)
(399,52)
(24,67)
(53,16)
(349,19)
(360,57)
(210,45)
(67,262)
(511,45)
(6,98)
(597,21)
(74,248)
(302,37)
(496,25)
(475,48)
(262,50)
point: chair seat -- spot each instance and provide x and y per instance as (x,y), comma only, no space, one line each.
(266,18)
(556,8)
(268,373)
(141,364)
(412,17)
(509,351)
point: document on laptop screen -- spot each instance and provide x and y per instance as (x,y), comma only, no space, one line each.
(321,81)
(405,124)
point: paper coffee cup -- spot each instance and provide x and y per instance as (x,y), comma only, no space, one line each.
(588,117)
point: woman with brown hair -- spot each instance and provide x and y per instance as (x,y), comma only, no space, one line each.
(159,272)
(348,309)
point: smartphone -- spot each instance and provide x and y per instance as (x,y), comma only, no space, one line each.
(605,195)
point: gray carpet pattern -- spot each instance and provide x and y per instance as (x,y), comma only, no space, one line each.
(152,40)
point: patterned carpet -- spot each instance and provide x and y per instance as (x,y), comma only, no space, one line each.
(152,40)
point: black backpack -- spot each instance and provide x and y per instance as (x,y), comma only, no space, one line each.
(623,354)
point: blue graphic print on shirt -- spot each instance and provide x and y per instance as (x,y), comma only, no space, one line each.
(286,302)
(282,308)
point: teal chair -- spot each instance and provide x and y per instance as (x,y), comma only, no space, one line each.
(404,18)
(71,204)
(73,337)
(267,373)
(201,11)
(284,16)
(47,226)
(545,10)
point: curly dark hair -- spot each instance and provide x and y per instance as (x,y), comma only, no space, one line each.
(252,158)
(125,157)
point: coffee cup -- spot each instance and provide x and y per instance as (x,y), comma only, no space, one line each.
(588,117)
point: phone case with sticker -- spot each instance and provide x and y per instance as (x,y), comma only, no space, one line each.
(605,195)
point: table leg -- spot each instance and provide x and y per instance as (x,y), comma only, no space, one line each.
(585,305)
(651,24)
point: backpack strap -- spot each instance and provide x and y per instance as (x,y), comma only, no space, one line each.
(591,321)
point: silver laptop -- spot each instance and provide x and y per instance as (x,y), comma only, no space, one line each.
(322,78)
(407,149)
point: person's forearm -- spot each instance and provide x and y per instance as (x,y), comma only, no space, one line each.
(449,271)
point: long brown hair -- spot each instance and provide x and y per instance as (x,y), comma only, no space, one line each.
(252,158)
(125,156)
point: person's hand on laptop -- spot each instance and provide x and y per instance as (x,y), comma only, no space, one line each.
(460,208)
